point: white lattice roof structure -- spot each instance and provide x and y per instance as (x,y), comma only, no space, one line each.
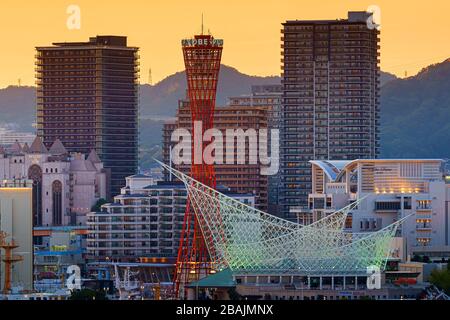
(248,240)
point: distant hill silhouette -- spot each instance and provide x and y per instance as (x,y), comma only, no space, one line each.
(415,115)
(17,107)
(17,104)
(415,112)
(162,98)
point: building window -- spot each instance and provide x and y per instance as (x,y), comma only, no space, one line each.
(35,174)
(57,202)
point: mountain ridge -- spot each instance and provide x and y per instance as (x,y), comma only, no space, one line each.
(415,111)
(415,114)
(159,101)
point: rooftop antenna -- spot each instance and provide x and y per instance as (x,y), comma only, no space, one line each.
(202,23)
(19,81)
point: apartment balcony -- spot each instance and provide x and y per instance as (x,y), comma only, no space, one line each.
(424,215)
(110,248)
(423,228)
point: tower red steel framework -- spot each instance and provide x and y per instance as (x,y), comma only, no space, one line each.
(202,56)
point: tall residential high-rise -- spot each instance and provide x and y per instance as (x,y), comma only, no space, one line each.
(268,97)
(330,107)
(87,97)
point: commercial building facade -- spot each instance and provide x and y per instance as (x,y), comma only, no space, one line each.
(330,98)
(390,189)
(16,221)
(87,97)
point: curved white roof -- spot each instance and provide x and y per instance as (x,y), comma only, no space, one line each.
(332,168)
(335,169)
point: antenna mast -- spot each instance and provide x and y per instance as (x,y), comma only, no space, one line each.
(150,81)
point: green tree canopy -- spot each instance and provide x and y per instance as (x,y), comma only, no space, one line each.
(88,294)
(97,206)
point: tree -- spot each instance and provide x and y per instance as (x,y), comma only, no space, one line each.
(233,294)
(98,205)
(88,294)
(441,279)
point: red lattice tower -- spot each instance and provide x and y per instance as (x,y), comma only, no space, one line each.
(202,56)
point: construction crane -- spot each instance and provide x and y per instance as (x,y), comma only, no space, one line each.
(125,286)
(9,259)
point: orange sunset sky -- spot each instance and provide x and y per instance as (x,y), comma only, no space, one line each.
(414,33)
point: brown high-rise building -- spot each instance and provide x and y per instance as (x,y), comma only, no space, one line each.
(266,96)
(87,97)
(330,100)
(237,178)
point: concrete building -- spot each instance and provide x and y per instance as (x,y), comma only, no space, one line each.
(142,221)
(392,189)
(87,97)
(145,220)
(9,137)
(239,178)
(330,98)
(265,96)
(17,222)
(268,96)
(65,186)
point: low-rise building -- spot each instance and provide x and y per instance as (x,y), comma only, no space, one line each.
(145,220)
(61,247)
